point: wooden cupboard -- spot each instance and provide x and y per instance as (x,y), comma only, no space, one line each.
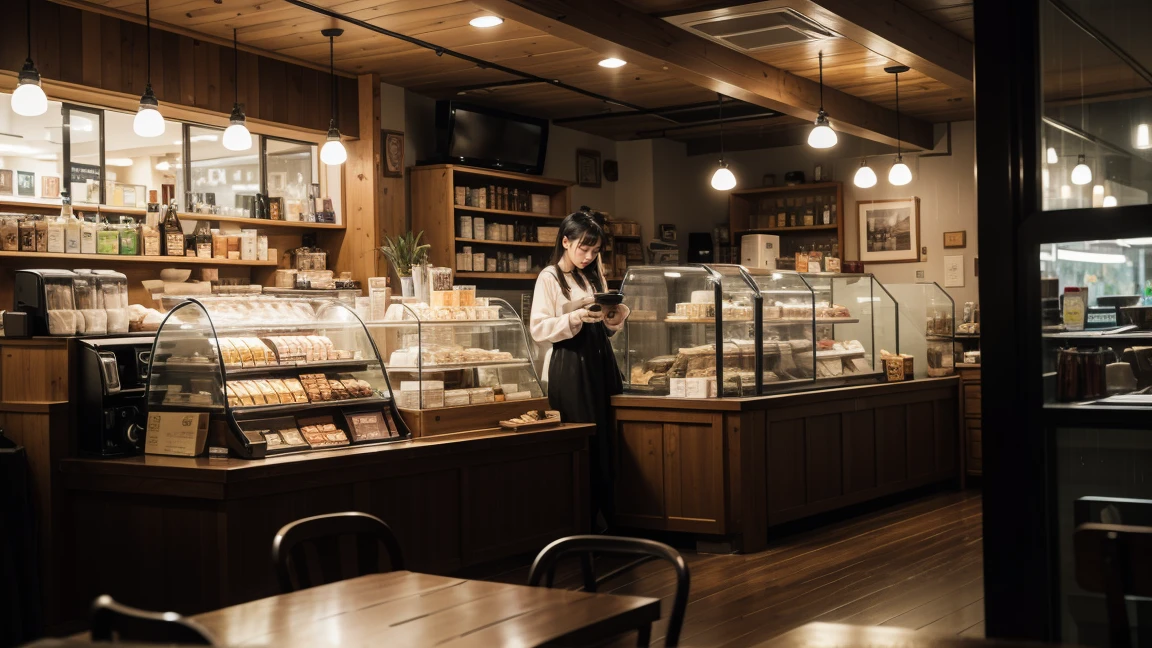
(728,469)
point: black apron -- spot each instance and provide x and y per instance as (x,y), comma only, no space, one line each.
(582,376)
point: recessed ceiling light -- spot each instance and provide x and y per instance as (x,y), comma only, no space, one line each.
(612,63)
(118,162)
(486,21)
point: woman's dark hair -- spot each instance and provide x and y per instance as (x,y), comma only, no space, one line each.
(582,228)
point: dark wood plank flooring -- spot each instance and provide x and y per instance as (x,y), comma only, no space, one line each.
(917,564)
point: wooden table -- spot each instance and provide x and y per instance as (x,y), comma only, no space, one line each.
(409,609)
(840,635)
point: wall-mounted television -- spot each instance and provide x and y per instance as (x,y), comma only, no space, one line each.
(491,138)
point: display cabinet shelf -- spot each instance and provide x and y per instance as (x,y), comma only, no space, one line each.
(506,212)
(118,258)
(505,243)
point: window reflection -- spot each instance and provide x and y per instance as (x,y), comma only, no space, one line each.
(31,152)
(291,173)
(223,182)
(137,165)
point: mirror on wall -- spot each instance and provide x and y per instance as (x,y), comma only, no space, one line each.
(222,182)
(31,152)
(135,165)
(291,174)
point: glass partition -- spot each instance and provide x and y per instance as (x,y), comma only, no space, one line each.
(788,329)
(84,131)
(222,182)
(927,327)
(291,172)
(856,320)
(31,152)
(135,165)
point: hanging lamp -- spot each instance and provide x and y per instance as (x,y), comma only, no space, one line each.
(333,151)
(236,136)
(1082,173)
(148,122)
(899,174)
(865,177)
(822,135)
(722,179)
(29,100)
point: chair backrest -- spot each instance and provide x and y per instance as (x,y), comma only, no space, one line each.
(112,621)
(544,567)
(322,533)
(1115,559)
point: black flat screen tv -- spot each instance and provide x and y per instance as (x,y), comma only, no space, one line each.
(487,137)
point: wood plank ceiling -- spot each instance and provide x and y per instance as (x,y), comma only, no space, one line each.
(291,32)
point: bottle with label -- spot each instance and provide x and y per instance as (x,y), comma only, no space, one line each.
(203,237)
(826,213)
(55,240)
(171,231)
(72,225)
(152,218)
(88,229)
(1074,308)
(129,234)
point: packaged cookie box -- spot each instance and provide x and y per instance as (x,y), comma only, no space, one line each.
(410,393)
(281,434)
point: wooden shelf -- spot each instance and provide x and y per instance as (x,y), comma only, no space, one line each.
(627,236)
(128,211)
(793,188)
(507,212)
(116,258)
(509,243)
(507,175)
(261,222)
(516,276)
(787,230)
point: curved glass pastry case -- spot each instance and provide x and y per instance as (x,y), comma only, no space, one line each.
(856,320)
(274,375)
(927,327)
(462,363)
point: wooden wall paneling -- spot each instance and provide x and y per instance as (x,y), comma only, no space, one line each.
(348,108)
(891,445)
(91,39)
(921,439)
(496,501)
(432,212)
(46,40)
(859,451)
(218,78)
(640,473)
(362,176)
(785,466)
(747,488)
(72,61)
(823,458)
(431,543)
(949,442)
(110,53)
(166,69)
(293,87)
(35,371)
(252,87)
(694,475)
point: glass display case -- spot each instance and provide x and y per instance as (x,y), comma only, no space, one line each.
(927,327)
(691,333)
(788,329)
(275,375)
(465,360)
(855,321)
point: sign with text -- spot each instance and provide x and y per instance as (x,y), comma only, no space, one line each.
(84,172)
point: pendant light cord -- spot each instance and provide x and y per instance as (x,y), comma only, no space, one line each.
(29,22)
(720,107)
(821,56)
(148,26)
(897,115)
(332,72)
(235,70)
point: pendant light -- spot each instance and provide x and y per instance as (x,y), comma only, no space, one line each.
(1052,157)
(236,136)
(333,151)
(722,180)
(29,99)
(148,122)
(899,174)
(1082,174)
(865,176)
(822,135)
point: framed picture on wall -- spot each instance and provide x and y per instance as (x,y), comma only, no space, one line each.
(393,153)
(50,186)
(26,183)
(588,168)
(889,230)
(277,181)
(6,182)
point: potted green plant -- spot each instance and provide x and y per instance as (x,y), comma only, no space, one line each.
(403,252)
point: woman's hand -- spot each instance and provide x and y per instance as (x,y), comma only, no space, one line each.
(588,315)
(614,316)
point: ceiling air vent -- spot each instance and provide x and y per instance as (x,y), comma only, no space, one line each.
(750,28)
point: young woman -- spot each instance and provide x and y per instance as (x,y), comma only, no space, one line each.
(580,368)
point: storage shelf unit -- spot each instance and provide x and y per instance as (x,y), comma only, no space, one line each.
(116,258)
(435,212)
(746,215)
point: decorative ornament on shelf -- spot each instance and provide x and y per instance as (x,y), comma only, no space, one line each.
(822,135)
(148,121)
(236,136)
(333,151)
(899,174)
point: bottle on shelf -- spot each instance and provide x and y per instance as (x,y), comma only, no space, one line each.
(826,213)
(55,241)
(171,232)
(72,226)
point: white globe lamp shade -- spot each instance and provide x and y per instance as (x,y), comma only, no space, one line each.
(148,122)
(1109,201)
(822,135)
(900,174)
(1052,157)
(29,100)
(723,180)
(237,137)
(865,177)
(333,152)
(1082,174)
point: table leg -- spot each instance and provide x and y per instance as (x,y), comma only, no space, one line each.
(644,635)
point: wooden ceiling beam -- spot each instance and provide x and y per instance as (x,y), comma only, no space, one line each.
(613,29)
(894,31)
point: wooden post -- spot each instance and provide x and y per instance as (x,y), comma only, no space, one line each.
(363,179)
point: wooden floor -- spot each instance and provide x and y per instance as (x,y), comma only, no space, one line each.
(918,564)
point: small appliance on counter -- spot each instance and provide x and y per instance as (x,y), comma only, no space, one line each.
(759,251)
(113,394)
(46,297)
(663,253)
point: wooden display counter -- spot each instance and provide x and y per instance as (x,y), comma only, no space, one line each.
(190,535)
(728,469)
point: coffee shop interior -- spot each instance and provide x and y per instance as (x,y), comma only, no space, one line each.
(544,322)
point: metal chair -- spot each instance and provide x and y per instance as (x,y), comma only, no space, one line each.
(323,533)
(112,621)
(1115,559)
(544,567)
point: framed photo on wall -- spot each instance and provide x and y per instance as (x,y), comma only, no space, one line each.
(6,186)
(889,230)
(26,183)
(588,168)
(393,153)
(49,187)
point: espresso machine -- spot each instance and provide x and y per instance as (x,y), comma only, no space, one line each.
(113,394)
